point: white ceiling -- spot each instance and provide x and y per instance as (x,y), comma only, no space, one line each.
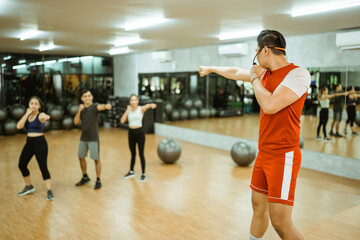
(91,27)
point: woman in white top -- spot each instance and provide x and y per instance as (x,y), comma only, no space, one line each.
(324,100)
(134,114)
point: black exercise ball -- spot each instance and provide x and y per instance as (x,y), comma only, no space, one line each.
(47,125)
(168,108)
(188,104)
(175,115)
(49,106)
(10,127)
(67,122)
(72,109)
(243,153)
(301,144)
(56,113)
(198,103)
(193,113)
(3,114)
(17,111)
(169,150)
(183,114)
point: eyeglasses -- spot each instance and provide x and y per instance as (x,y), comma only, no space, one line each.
(260,49)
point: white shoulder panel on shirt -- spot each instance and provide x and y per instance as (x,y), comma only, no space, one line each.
(297,80)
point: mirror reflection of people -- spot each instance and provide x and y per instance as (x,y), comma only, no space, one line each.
(220,99)
(351,101)
(134,114)
(280,88)
(89,140)
(337,110)
(324,100)
(36,144)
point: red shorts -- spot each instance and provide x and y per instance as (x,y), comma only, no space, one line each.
(275,175)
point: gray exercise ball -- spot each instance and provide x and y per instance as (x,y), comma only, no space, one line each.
(175,115)
(198,103)
(188,104)
(47,125)
(17,111)
(3,114)
(183,114)
(72,109)
(193,113)
(243,153)
(10,127)
(212,112)
(56,113)
(301,144)
(169,150)
(67,122)
(203,113)
(168,108)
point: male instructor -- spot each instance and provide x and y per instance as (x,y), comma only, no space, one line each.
(280,88)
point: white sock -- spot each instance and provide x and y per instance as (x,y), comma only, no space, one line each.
(254,238)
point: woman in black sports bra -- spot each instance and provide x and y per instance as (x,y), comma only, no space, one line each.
(36,144)
(351,101)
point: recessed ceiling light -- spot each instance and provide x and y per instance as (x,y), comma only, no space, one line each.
(74,59)
(240,34)
(21,61)
(50,62)
(63,60)
(127,41)
(46,47)
(324,8)
(86,58)
(3,65)
(122,50)
(28,34)
(7,58)
(144,23)
(39,63)
(19,66)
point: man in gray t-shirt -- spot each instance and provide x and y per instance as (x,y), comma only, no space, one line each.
(87,115)
(338,109)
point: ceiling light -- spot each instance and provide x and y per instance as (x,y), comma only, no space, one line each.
(3,65)
(46,47)
(63,60)
(7,58)
(29,34)
(32,64)
(86,58)
(127,41)
(50,62)
(21,61)
(324,8)
(19,66)
(144,23)
(122,50)
(237,35)
(39,63)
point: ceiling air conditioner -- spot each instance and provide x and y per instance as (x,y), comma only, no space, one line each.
(161,56)
(236,49)
(348,40)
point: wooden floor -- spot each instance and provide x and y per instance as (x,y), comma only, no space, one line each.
(205,196)
(247,126)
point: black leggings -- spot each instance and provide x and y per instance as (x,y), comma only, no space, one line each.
(137,136)
(351,111)
(324,116)
(39,147)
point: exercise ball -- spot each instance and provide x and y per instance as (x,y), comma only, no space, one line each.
(357,118)
(49,106)
(10,127)
(183,114)
(169,150)
(193,113)
(17,111)
(188,104)
(243,153)
(67,122)
(203,113)
(212,112)
(198,103)
(47,125)
(175,115)
(56,113)
(301,145)
(72,109)
(168,108)
(3,114)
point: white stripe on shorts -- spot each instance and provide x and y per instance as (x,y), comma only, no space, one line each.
(285,188)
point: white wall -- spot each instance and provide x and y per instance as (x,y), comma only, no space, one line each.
(316,50)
